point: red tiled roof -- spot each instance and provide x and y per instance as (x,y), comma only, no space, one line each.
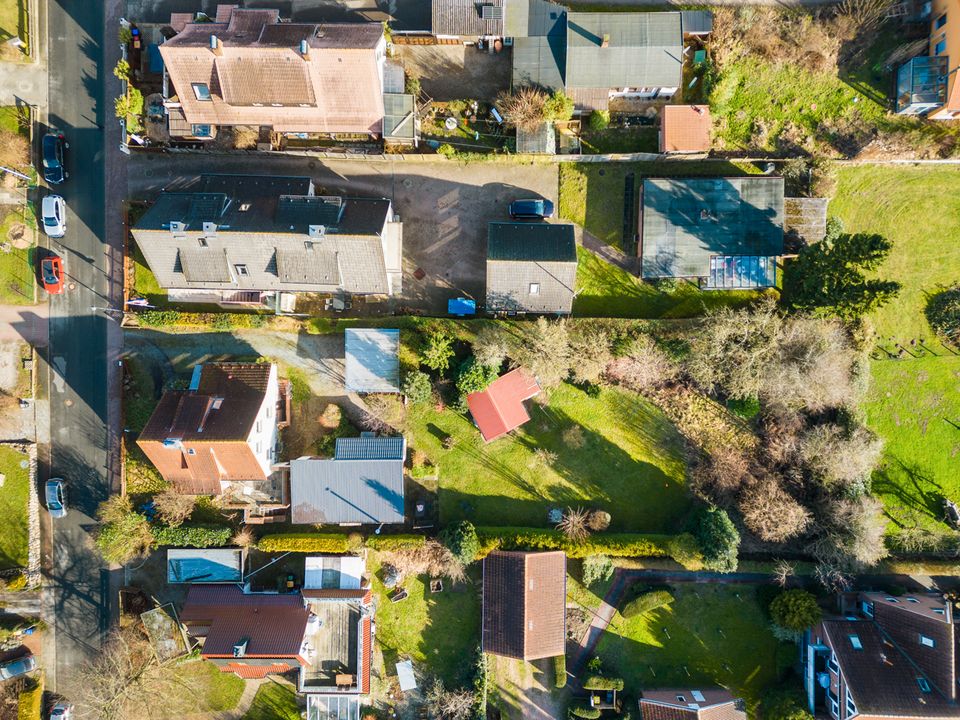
(366,656)
(273,625)
(499,409)
(685,128)
(255,672)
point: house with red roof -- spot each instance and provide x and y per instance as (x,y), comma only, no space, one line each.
(500,409)
(324,631)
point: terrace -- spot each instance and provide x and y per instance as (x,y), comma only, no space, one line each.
(332,646)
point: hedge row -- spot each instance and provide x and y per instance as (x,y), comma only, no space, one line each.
(582,709)
(560,671)
(305,542)
(389,543)
(680,547)
(647,602)
(199,536)
(598,682)
(217,321)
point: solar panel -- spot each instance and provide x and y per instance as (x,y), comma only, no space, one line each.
(491,12)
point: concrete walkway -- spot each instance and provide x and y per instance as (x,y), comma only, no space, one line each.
(23,83)
(25,322)
(606,251)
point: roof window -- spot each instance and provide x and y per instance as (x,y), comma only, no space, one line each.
(912,599)
(855,642)
(924,685)
(201,91)
(891,600)
(927,641)
(534,288)
(681,698)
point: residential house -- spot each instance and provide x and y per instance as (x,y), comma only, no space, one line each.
(927,84)
(256,239)
(499,409)
(219,437)
(362,484)
(324,631)
(531,268)
(248,68)
(708,703)
(891,656)
(524,604)
(685,129)
(372,360)
(724,232)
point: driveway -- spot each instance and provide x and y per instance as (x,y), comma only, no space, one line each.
(445,206)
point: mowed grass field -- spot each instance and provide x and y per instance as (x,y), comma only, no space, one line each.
(616,452)
(913,403)
(709,635)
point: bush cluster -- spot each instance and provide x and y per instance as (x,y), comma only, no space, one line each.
(392,543)
(200,536)
(305,542)
(560,671)
(598,682)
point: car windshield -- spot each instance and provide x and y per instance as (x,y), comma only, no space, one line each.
(54,504)
(50,221)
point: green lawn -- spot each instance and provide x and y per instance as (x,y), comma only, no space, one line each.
(145,283)
(13,23)
(589,597)
(17,270)
(592,194)
(605,290)
(911,402)
(14,532)
(440,631)
(620,140)
(710,635)
(274,701)
(206,690)
(627,459)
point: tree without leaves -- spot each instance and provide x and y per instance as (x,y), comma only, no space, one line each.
(850,533)
(841,458)
(244,537)
(432,558)
(173,508)
(443,704)
(783,570)
(590,346)
(771,513)
(491,346)
(524,109)
(645,366)
(545,351)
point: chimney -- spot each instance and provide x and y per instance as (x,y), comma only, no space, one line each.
(304,49)
(215,46)
(606,40)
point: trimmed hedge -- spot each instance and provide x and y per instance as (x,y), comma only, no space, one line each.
(389,543)
(598,682)
(305,542)
(30,702)
(646,602)
(199,536)
(681,547)
(583,710)
(560,671)
(216,321)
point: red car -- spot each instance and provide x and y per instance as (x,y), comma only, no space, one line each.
(51,270)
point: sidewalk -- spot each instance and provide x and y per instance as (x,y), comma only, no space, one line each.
(25,322)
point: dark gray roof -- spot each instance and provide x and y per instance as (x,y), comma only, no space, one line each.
(644,49)
(531,267)
(697,22)
(688,220)
(372,360)
(472,18)
(539,62)
(370,448)
(531,241)
(204,265)
(532,18)
(346,491)
(308,266)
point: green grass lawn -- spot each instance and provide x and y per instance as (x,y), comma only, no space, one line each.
(592,194)
(626,458)
(911,402)
(274,701)
(716,633)
(589,597)
(605,290)
(145,283)
(14,532)
(439,631)
(620,140)
(17,270)
(13,23)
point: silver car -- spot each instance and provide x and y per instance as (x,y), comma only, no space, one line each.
(53,495)
(18,667)
(53,210)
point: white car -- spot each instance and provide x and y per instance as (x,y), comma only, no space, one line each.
(54,212)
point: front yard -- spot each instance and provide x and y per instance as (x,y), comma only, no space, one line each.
(14,531)
(18,231)
(710,635)
(14,20)
(616,452)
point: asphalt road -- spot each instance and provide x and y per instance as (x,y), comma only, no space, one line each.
(81,412)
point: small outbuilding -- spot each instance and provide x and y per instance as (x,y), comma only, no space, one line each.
(372,360)
(500,409)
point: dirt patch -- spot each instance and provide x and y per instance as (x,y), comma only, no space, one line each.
(19,236)
(456,72)
(526,689)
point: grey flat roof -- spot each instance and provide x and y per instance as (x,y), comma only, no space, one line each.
(367,492)
(216,565)
(373,360)
(539,62)
(687,220)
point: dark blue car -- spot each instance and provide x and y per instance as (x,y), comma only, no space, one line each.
(54,145)
(532,209)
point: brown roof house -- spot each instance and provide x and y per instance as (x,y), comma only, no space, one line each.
(524,604)
(248,68)
(892,657)
(219,437)
(324,631)
(709,703)
(258,239)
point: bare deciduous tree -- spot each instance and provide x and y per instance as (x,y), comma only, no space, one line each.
(444,704)
(545,351)
(771,513)
(590,346)
(841,458)
(432,558)
(719,476)
(645,367)
(575,524)
(782,572)
(524,109)
(491,346)
(244,537)
(173,508)
(851,533)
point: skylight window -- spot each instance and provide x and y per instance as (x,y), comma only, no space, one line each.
(855,641)
(924,685)
(927,641)
(201,91)
(912,599)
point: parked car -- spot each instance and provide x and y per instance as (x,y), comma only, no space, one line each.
(54,145)
(51,272)
(62,711)
(531,209)
(54,212)
(53,495)
(18,667)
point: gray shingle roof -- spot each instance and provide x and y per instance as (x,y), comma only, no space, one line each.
(466,17)
(372,360)
(688,220)
(304,266)
(644,50)
(531,267)
(366,491)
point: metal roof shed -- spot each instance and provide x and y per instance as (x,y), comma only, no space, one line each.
(372,360)
(213,565)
